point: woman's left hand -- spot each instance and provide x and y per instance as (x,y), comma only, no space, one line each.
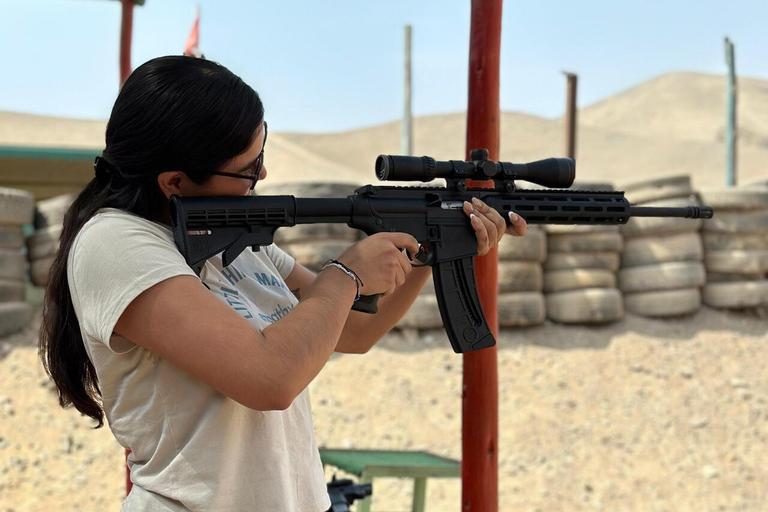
(490,226)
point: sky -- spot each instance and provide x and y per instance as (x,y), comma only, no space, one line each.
(337,65)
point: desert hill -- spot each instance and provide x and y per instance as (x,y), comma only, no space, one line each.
(688,106)
(602,154)
(671,124)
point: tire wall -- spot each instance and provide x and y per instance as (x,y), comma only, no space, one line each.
(662,271)
(16,215)
(43,245)
(736,248)
(580,271)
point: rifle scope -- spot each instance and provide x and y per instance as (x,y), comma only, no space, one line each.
(551,172)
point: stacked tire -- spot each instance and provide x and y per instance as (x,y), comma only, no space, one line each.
(662,265)
(313,245)
(580,271)
(43,245)
(736,248)
(521,300)
(16,211)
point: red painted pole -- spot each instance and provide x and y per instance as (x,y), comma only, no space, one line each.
(128,483)
(480,409)
(126,29)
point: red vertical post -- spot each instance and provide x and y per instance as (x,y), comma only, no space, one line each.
(128,483)
(126,30)
(570,116)
(480,409)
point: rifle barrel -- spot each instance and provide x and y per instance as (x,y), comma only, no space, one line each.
(688,212)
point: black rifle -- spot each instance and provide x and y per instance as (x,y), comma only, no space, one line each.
(343,493)
(206,226)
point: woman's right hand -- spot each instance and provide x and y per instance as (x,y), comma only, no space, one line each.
(379,261)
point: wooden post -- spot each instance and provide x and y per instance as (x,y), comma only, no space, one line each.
(406,133)
(570,116)
(479,461)
(731,136)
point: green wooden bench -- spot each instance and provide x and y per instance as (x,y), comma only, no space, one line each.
(367,464)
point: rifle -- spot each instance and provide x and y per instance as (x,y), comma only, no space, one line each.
(343,493)
(206,226)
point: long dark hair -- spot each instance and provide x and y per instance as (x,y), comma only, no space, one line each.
(172,114)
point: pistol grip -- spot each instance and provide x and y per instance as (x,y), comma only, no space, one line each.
(460,307)
(367,304)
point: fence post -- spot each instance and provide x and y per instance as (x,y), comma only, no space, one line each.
(731,136)
(570,116)
(406,132)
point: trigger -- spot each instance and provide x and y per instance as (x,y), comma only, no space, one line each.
(423,256)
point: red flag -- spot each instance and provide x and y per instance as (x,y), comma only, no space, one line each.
(193,41)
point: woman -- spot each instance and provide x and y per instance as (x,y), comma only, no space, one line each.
(205,378)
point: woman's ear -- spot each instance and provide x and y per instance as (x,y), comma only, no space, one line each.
(171,182)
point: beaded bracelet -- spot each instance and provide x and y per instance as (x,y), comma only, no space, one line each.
(351,273)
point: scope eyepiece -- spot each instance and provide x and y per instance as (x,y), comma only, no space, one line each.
(384,167)
(405,168)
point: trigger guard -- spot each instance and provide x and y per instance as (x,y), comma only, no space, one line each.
(428,260)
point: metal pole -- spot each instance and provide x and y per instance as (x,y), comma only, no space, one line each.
(731,129)
(480,411)
(406,133)
(128,483)
(570,116)
(126,29)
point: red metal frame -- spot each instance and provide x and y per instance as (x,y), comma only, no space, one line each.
(126,31)
(480,411)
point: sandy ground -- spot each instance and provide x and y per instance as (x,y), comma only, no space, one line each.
(641,415)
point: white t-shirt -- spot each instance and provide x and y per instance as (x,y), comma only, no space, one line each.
(192,448)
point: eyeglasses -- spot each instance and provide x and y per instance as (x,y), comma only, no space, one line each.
(252,173)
